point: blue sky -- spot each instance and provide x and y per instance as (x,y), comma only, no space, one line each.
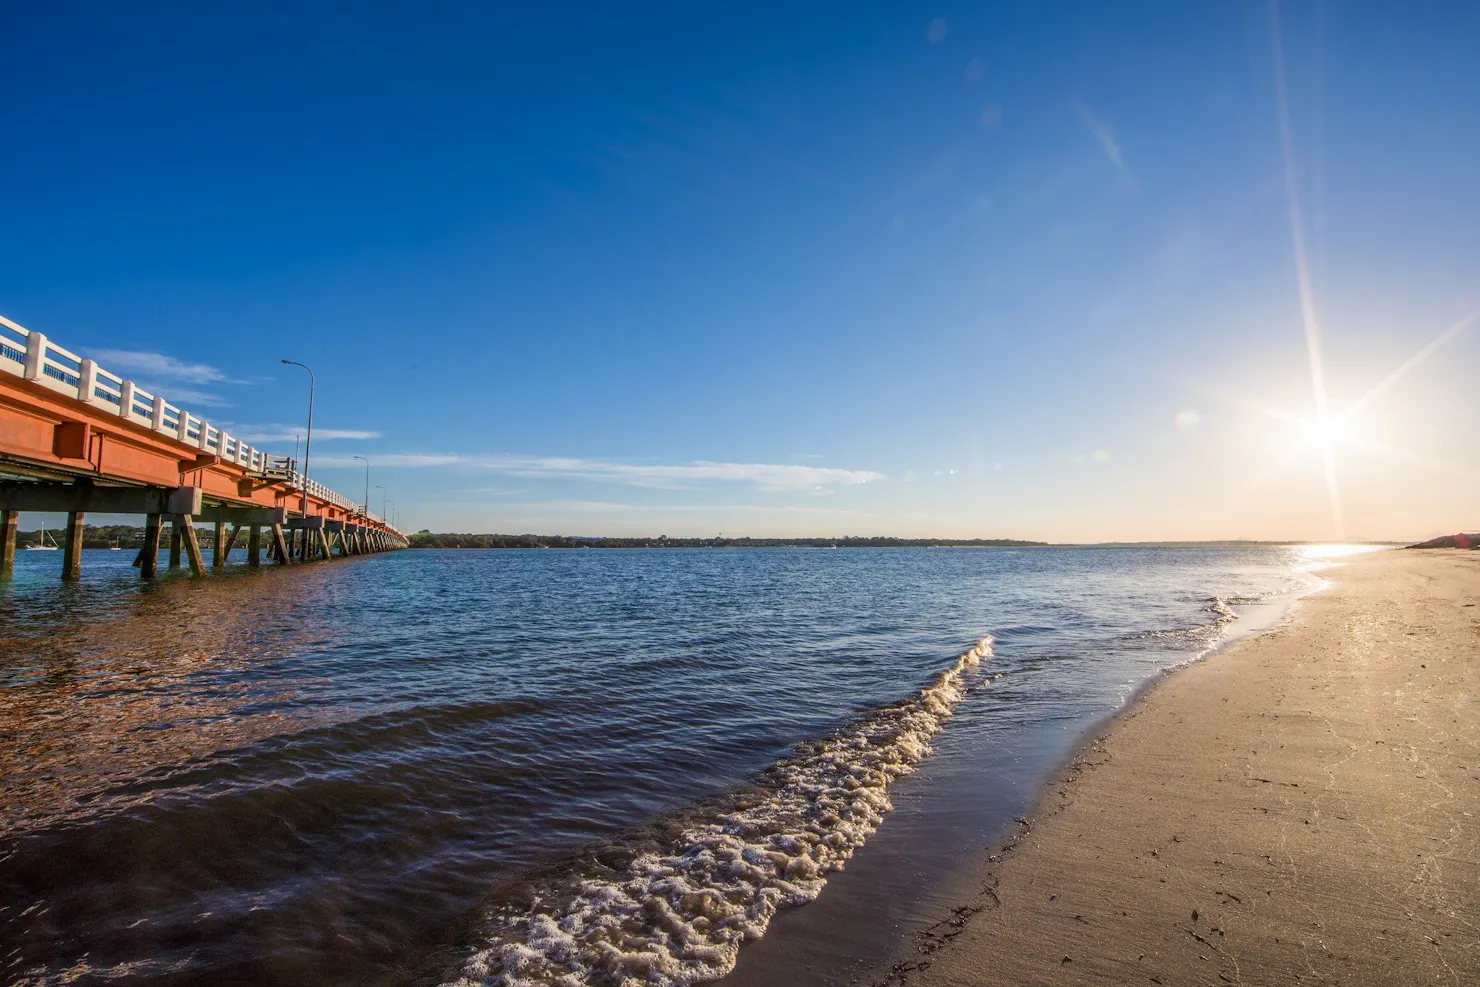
(962,270)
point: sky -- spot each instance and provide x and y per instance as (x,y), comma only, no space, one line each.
(951,270)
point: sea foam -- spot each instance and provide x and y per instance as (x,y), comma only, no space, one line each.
(677,911)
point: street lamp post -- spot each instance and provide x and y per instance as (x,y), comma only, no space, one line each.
(308,440)
(382,500)
(367,482)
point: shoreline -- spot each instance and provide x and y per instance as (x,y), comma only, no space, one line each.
(1000,932)
(941,933)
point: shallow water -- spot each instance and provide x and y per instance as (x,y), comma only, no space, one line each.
(522,766)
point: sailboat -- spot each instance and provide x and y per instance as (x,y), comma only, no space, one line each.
(42,546)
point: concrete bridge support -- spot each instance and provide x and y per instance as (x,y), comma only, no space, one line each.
(72,548)
(149,554)
(279,545)
(7,543)
(184,533)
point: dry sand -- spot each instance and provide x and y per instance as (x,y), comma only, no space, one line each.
(1303,807)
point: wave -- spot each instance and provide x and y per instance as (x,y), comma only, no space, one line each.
(1223,612)
(674,909)
(1223,608)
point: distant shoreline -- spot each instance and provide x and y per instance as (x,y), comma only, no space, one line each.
(426,539)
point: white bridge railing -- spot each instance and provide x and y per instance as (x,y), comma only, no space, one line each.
(29,354)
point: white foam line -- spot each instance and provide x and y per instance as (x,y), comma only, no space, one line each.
(677,915)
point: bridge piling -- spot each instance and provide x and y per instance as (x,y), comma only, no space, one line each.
(7,543)
(218,547)
(72,548)
(185,524)
(149,554)
(279,544)
(254,545)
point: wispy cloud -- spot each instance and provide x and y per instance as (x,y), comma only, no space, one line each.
(160,373)
(287,433)
(158,366)
(186,396)
(1101,132)
(766,476)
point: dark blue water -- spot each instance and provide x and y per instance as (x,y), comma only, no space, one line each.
(421,766)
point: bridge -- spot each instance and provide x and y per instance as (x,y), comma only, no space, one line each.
(76,438)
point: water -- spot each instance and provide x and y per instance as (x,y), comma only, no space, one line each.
(549,766)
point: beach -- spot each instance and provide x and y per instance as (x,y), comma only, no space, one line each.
(1303,806)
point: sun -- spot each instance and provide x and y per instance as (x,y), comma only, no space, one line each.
(1326,430)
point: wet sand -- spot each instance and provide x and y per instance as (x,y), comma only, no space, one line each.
(1303,807)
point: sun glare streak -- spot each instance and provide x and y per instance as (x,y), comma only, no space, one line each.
(1333,489)
(1259,479)
(1423,354)
(1267,410)
(1417,460)
(1302,268)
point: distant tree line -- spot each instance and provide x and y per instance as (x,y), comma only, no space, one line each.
(426,539)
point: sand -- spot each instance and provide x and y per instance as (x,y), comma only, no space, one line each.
(1303,807)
